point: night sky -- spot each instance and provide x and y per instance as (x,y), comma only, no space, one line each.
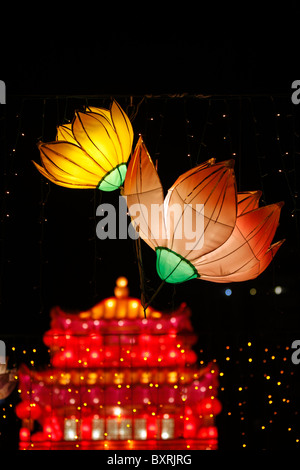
(192,99)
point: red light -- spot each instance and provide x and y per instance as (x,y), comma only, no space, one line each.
(210,432)
(209,406)
(124,381)
(24,434)
(86,429)
(27,410)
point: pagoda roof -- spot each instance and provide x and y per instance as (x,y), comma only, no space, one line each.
(119,312)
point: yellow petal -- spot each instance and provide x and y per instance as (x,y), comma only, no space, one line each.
(123,129)
(51,178)
(44,172)
(68,163)
(111,132)
(101,111)
(65,133)
(99,140)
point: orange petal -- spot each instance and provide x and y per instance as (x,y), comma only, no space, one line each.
(144,193)
(214,186)
(250,271)
(258,227)
(248,243)
(247,201)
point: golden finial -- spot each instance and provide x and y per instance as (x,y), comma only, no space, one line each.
(121,289)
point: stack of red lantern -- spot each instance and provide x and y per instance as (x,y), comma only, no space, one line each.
(120,381)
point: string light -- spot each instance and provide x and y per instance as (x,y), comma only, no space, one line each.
(276,369)
(276,393)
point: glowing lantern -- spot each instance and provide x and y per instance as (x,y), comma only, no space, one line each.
(86,429)
(247,252)
(24,434)
(27,410)
(210,432)
(90,152)
(203,228)
(190,426)
(209,406)
(101,392)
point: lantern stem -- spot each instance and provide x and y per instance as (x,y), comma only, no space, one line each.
(140,266)
(153,296)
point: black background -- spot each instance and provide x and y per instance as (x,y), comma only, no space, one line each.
(50,253)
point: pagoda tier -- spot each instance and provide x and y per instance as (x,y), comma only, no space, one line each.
(120,381)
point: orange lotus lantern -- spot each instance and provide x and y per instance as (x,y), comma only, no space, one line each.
(231,237)
(90,152)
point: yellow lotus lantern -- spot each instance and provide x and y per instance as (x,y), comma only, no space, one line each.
(90,152)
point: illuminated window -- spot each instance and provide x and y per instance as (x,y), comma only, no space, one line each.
(125,429)
(140,428)
(70,430)
(117,428)
(167,428)
(112,428)
(97,429)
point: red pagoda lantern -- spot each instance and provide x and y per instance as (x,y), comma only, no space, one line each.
(27,410)
(120,381)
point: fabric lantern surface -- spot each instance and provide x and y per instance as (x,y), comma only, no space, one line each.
(90,152)
(248,251)
(203,228)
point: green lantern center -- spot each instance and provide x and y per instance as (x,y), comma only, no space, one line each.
(113,179)
(172,267)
